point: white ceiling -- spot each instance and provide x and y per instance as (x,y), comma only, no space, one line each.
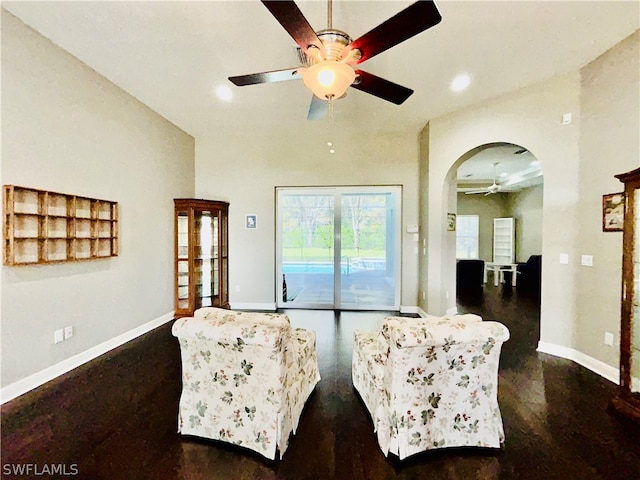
(171,56)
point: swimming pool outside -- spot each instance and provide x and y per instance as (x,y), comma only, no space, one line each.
(312,267)
(350,266)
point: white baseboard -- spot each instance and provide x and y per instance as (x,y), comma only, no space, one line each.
(43,376)
(449,313)
(266,307)
(452,311)
(410,309)
(604,370)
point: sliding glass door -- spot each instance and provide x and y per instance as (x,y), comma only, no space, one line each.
(338,247)
(306,249)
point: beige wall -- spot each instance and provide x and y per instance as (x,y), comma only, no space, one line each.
(609,144)
(526,207)
(65,128)
(245,171)
(579,161)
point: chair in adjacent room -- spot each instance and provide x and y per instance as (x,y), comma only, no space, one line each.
(245,377)
(469,274)
(530,273)
(431,382)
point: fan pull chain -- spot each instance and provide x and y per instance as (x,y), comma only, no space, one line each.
(330,127)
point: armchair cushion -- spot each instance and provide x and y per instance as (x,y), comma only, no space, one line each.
(245,377)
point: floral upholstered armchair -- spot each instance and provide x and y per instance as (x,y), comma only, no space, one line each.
(431,382)
(245,377)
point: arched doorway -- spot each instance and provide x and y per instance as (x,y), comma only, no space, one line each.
(499,184)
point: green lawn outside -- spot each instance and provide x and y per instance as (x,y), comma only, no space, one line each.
(297,254)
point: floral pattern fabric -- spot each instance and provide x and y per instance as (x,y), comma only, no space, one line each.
(431,382)
(245,377)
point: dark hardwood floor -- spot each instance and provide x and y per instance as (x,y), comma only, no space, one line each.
(115,418)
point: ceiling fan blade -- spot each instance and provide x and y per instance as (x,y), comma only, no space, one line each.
(414,19)
(473,192)
(317,109)
(293,21)
(266,77)
(381,88)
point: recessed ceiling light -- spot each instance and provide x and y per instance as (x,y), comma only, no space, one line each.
(461,82)
(224,93)
(332,151)
(329,144)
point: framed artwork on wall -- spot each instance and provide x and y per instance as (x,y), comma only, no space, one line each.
(251,221)
(612,212)
(451,222)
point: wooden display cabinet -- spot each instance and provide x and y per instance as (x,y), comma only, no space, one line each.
(201,255)
(627,402)
(42,227)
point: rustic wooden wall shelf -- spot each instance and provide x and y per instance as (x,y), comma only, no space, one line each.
(43,227)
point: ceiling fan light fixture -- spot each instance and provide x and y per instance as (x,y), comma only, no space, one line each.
(328,79)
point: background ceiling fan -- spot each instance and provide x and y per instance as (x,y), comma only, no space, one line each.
(491,189)
(329,56)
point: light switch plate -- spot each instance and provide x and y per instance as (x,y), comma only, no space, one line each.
(58,336)
(587,260)
(564,259)
(608,338)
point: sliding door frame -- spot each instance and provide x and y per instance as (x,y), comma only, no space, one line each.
(338,192)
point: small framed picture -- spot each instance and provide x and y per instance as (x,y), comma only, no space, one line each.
(451,222)
(613,212)
(251,221)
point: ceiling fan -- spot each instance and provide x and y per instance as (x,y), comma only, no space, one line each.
(329,56)
(491,189)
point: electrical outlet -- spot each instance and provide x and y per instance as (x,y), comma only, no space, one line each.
(587,260)
(608,338)
(68,332)
(58,336)
(237,288)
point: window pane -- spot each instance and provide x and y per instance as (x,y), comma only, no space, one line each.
(467,233)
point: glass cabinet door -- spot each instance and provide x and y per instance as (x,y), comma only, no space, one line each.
(206,258)
(223,290)
(182,260)
(634,360)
